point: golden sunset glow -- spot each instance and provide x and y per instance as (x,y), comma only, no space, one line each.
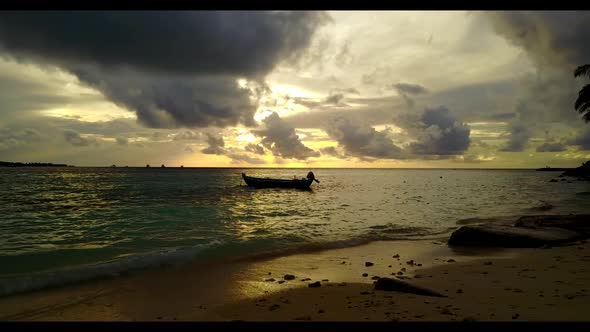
(375,89)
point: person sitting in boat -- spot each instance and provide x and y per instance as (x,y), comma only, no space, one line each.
(311,176)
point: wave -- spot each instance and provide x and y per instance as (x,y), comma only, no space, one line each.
(39,280)
(217,250)
(347,243)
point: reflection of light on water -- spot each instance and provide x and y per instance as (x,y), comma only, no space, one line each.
(106,213)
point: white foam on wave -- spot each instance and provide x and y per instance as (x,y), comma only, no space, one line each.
(36,281)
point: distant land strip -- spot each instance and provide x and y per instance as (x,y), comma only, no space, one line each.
(17,164)
(551,169)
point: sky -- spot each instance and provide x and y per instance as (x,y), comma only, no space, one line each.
(380,89)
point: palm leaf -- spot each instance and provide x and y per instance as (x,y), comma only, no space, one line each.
(582,104)
(583,70)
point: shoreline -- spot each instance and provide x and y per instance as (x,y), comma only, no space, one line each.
(134,265)
(481,284)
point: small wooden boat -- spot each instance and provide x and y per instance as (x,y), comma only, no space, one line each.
(279,183)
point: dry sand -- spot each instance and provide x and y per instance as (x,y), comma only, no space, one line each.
(495,284)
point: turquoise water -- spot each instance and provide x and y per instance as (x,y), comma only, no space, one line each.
(62,225)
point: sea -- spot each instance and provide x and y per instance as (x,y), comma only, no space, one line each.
(61,225)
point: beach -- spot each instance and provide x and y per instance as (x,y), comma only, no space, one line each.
(527,284)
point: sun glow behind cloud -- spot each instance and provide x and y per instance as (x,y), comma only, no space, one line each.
(349,70)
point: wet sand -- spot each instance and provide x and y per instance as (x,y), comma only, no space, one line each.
(480,284)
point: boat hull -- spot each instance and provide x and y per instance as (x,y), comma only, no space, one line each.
(276,183)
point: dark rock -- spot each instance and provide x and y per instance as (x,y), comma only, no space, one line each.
(493,235)
(420,264)
(281,281)
(451,261)
(365,274)
(315,284)
(321,311)
(389,266)
(369,264)
(396,256)
(388,284)
(326,280)
(410,262)
(289,277)
(376,278)
(271,279)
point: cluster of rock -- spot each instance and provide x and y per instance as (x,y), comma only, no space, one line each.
(526,231)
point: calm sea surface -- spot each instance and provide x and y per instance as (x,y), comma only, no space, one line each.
(60,225)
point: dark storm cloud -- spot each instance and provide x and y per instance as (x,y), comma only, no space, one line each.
(171,102)
(280,138)
(75,139)
(551,147)
(549,37)
(439,133)
(406,89)
(332,151)
(10,138)
(255,148)
(242,43)
(216,145)
(582,140)
(519,137)
(174,69)
(556,42)
(409,88)
(361,140)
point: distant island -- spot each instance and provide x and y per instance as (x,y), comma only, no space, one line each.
(17,164)
(553,169)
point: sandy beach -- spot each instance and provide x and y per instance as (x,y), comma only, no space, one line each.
(479,284)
